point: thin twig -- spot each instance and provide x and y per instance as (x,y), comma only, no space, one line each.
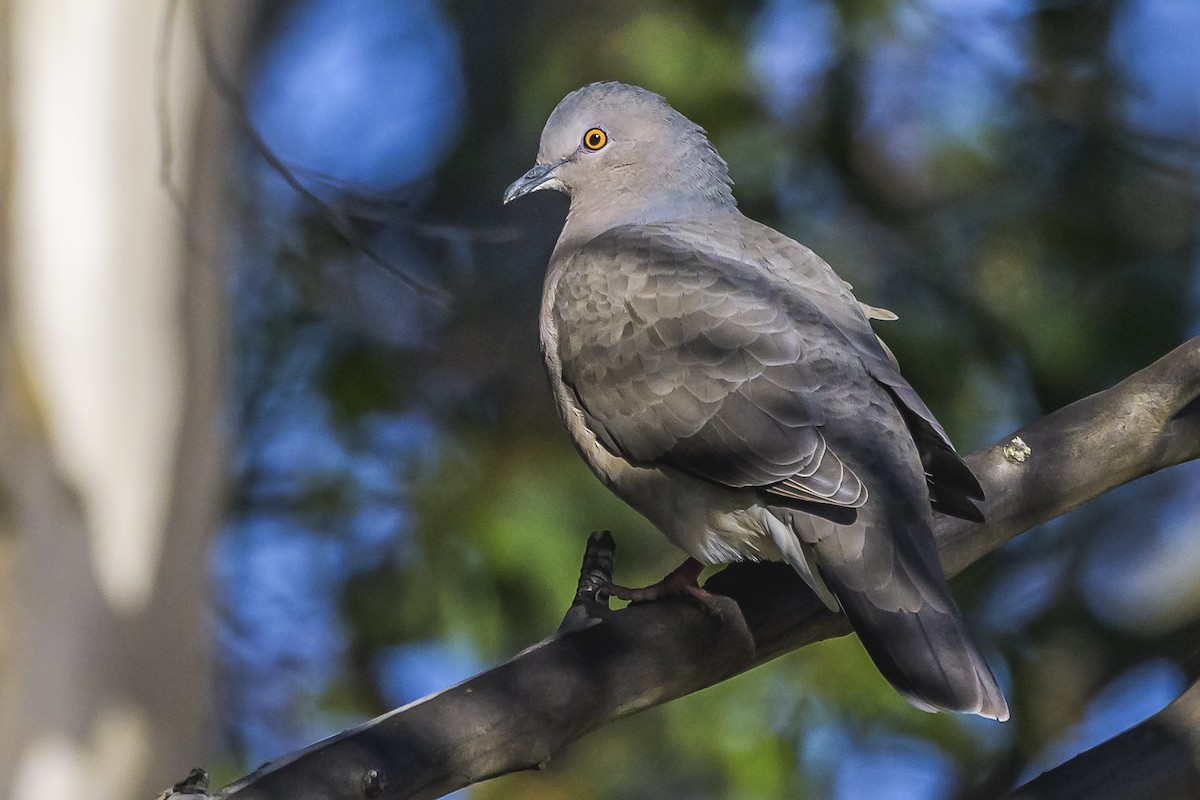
(228,91)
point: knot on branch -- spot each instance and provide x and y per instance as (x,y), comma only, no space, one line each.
(1017,451)
(590,605)
(193,787)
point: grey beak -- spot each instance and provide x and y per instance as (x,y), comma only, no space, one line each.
(537,178)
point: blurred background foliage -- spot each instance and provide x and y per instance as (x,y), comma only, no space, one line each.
(1017,179)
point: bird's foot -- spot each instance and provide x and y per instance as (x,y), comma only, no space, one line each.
(681,581)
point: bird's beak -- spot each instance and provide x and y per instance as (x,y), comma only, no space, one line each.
(537,178)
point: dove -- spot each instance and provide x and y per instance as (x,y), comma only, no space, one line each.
(725,382)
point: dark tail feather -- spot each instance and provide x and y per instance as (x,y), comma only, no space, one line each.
(896,597)
(953,488)
(928,656)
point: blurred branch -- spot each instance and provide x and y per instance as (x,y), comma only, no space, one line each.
(360,203)
(1158,759)
(228,91)
(516,715)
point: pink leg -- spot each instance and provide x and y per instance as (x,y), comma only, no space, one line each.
(680,581)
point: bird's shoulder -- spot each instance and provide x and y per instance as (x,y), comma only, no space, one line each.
(636,258)
(683,268)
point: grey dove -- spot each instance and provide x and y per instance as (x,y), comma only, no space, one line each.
(722,380)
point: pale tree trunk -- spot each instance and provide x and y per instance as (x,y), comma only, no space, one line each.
(111,378)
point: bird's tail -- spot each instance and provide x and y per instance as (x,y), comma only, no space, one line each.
(892,588)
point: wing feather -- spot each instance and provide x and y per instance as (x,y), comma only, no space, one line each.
(701,364)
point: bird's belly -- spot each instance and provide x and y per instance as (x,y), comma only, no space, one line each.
(737,535)
(712,524)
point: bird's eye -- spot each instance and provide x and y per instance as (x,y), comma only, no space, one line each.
(594,139)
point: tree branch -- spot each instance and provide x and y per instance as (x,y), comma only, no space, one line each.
(514,716)
(1158,759)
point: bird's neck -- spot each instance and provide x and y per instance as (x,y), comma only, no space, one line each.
(589,217)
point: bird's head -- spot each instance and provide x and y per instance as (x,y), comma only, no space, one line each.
(614,144)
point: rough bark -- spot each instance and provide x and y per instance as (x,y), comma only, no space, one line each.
(609,665)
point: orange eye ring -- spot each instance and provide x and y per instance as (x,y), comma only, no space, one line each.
(595,139)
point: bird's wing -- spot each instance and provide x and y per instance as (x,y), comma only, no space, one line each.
(685,359)
(953,488)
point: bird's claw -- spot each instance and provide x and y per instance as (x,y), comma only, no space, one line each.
(680,582)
